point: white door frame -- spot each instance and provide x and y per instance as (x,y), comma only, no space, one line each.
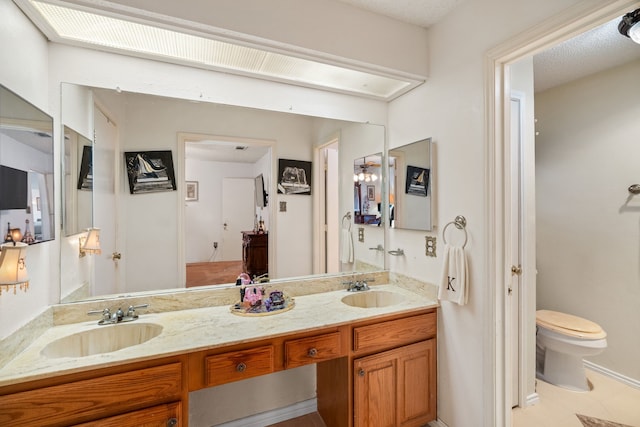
(183,137)
(560,27)
(318,193)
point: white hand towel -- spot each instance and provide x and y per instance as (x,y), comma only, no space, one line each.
(346,246)
(454,284)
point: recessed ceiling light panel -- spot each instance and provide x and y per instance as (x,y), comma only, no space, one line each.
(119,33)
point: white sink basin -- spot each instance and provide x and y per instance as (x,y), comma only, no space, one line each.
(104,339)
(372,299)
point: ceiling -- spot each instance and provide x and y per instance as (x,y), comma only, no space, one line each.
(594,51)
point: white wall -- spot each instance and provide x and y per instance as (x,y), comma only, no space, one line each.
(588,252)
(23,70)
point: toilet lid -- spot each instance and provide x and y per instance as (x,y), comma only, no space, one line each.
(569,324)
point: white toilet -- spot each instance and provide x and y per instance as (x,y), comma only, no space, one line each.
(562,341)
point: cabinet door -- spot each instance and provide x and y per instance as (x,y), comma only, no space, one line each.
(375,385)
(396,387)
(417,384)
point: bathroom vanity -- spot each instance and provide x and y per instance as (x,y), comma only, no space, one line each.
(372,363)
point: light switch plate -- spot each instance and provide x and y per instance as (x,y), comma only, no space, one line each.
(283,206)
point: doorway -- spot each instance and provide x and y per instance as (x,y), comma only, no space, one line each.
(223,170)
(327,228)
(108,267)
(503,226)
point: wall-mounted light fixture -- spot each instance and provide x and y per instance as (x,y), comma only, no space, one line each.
(630,25)
(13,270)
(90,244)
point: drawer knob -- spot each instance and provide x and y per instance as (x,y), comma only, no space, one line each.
(241,367)
(313,352)
(172,422)
(361,372)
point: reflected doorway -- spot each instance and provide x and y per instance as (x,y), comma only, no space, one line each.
(220,204)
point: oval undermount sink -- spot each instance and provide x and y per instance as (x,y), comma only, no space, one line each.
(104,339)
(372,299)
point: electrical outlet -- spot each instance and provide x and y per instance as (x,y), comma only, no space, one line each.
(215,245)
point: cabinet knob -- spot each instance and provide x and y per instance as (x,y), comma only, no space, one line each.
(361,372)
(241,367)
(313,352)
(172,422)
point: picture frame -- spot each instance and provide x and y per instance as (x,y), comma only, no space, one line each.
(294,177)
(85,176)
(150,171)
(371,192)
(417,182)
(191,191)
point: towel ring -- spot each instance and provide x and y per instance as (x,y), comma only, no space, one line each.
(461,223)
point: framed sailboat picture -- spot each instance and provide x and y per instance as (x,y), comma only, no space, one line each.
(150,171)
(417,182)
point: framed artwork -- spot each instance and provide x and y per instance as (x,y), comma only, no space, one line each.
(294,177)
(192,191)
(371,192)
(85,177)
(417,181)
(150,171)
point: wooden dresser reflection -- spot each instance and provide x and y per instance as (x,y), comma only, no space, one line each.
(255,253)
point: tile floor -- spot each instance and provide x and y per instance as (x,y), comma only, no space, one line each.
(609,400)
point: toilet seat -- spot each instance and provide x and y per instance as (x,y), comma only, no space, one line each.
(569,325)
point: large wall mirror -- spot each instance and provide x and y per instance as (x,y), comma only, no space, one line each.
(26,169)
(149,240)
(410,190)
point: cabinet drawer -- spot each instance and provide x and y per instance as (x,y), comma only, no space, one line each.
(238,365)
(394,332)
(315,349)
(84,400)
(168,415)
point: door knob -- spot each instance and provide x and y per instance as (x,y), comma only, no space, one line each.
(516,270)
(116,255)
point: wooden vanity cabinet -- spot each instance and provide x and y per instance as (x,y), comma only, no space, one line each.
(396,387)
(137,394)
(389,378)
(377,372)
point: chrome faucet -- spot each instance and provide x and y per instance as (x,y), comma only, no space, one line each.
(119,316)
(358,285)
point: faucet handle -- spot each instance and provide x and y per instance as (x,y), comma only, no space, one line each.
(131,312)
(106,313)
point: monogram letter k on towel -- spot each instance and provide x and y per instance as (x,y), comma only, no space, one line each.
(454,285)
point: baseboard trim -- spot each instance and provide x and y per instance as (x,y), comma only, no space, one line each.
(275,416)
(611,374)
(437,423)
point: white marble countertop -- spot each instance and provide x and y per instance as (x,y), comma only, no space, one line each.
(202,328)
